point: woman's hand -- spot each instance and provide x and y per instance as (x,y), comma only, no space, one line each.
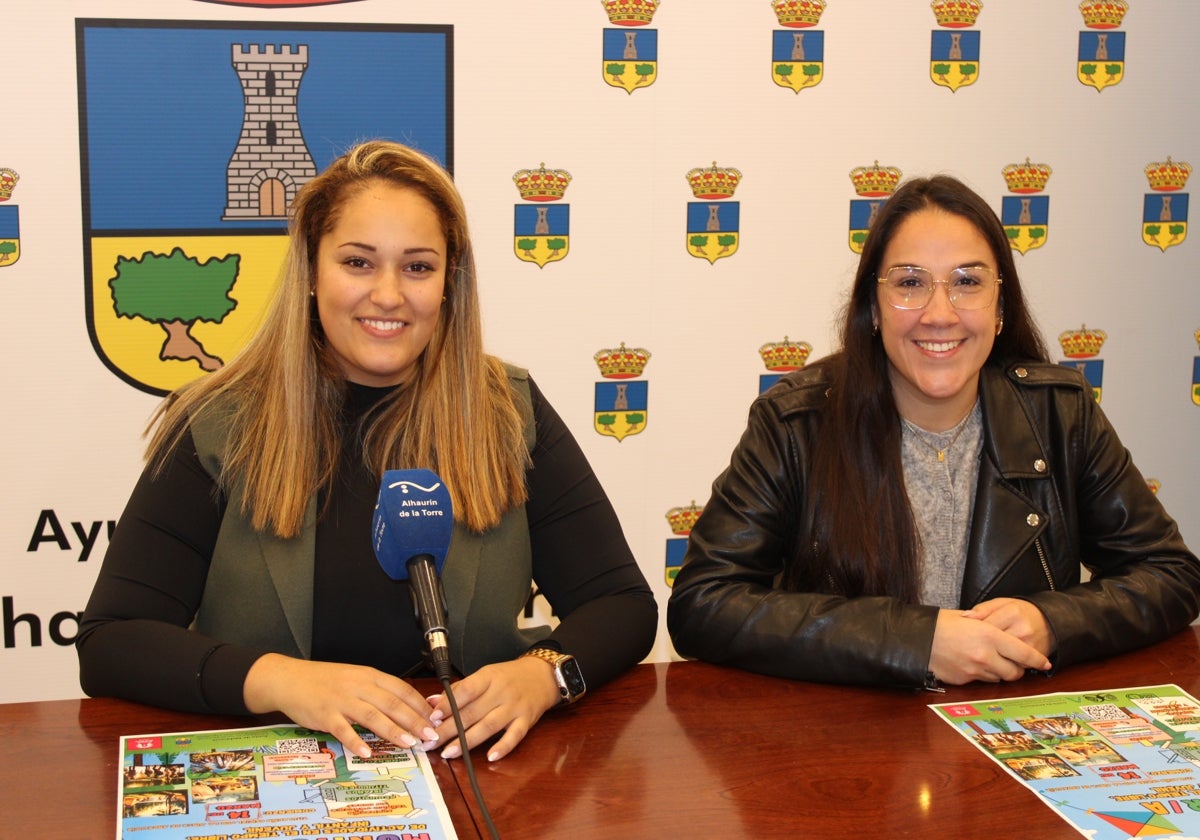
(331,697)
(968,647)
(508,696)
(1020,618)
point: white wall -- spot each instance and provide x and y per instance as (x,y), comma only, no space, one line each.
(529,88)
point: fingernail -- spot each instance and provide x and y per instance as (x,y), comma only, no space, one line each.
(433,699)
(493,756)
(364,752)
(429,734)
(451,751)
(408,740)
(426,746)
(437,717)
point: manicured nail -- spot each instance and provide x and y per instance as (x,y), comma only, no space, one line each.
(429,734)
(493,756)
(451,751)
(408,740)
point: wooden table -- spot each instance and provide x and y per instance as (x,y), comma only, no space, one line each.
(666,749)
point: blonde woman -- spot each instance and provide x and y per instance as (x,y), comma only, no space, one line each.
(241,577)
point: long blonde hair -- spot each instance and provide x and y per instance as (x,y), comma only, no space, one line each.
(283,392)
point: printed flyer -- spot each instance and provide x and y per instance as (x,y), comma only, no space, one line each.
(275,781)
(1114,764)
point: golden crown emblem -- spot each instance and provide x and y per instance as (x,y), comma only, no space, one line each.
(542,184)
(1103,14)
(630,12)
(1168,175)
(1082,343)
(683,519)
(875,180)
(715,182)
(785,355)
(1026,177)
(956,13)
(798,13)
(8,183)
(621,363)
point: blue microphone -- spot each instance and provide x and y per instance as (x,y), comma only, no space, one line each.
(410,532)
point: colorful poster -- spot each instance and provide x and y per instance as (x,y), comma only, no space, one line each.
(274,781)
(1114,764)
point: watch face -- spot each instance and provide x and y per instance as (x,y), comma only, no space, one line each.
(573,677)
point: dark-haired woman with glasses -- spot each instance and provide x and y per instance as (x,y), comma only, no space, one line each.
(916,509)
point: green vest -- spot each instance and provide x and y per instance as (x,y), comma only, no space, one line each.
(259,591)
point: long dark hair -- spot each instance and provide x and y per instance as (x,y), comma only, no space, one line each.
(859,536)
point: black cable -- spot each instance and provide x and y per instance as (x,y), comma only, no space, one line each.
(466,757)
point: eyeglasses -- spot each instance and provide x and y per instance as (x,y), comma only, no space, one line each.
(911,287)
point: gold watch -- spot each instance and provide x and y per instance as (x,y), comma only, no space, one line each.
(567,675)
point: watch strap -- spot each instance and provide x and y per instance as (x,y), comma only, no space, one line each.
(556,659)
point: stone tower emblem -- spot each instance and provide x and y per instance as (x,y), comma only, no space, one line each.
(271,161)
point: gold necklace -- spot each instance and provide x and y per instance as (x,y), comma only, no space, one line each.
(920,434)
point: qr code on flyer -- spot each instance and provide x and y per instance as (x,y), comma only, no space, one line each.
(1104,711)
(290,746)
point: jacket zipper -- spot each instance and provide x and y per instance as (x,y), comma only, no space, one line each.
(1037,544)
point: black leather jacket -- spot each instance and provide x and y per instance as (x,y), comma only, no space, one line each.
(1056,489)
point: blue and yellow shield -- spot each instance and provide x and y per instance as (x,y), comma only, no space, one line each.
(954,58)
(712,229)
(797,58)
(630,58)
(541,232)
(676,549)
(186,182)
(1101,59)
(1025,219)
(862,213)
(1093,371)
(10,235)
(1164,219)
(766,380)
(621,408)
(1196,380)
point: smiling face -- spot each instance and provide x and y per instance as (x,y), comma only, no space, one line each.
(380,276)
(935,354)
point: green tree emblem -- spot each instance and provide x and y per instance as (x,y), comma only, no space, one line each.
(968,70)
(175,291)
(726,241)
(644,71)
(784,71)
(555,245)
(527,245)
(1088,71)
(616,70)
(7,249)
(606,420)
(634,419)
(699,242)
